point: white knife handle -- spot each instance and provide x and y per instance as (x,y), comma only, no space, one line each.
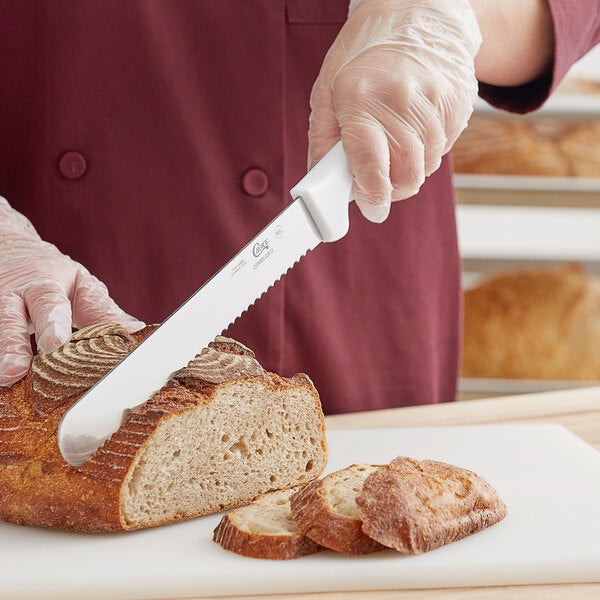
(326,192)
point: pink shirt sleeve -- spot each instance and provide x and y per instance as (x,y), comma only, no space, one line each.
(576,31)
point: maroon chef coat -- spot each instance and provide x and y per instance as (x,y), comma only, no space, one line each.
(151,139)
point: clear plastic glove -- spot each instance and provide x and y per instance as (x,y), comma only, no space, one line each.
(43,290)
(398,85)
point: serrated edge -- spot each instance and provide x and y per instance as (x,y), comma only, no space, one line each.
(265,291)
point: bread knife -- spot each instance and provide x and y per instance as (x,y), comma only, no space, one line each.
(318,213)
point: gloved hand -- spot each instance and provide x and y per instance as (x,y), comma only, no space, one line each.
(398,85)
(42,287)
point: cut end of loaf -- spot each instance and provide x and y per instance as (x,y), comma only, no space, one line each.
(251,438)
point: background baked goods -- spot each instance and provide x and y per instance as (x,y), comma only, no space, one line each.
(533,324)
(544,145)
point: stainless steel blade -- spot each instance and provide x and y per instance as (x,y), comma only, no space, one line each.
(210,310)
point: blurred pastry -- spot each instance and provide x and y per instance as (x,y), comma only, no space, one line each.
(537,324)
(581,146)
(506,147)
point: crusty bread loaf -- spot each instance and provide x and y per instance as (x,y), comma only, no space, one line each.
(582,147)
(264,529)
(546,146)
(326,511)
(418,505)
(510,147)
(220,432)
(533,324)
(578,86)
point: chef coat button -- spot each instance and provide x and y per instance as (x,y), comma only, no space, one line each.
(255,182)
(72,164)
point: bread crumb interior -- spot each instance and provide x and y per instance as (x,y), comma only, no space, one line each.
(250,439)
(269,515)
(342,488)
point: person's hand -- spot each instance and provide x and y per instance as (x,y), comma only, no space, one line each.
(41,287)
(398,86)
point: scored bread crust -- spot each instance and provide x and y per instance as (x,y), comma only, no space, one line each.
(318,520)
(37,487)
(275,546)
(415,506)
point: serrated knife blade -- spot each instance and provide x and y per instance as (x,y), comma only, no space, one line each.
(319,212)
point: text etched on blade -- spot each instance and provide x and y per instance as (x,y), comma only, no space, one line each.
(260,247)
(239,265)
(263,251)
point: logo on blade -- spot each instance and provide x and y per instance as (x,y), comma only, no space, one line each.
(260,247)
(261,251)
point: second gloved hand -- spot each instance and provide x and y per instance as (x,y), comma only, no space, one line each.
(398,86)
(42,287)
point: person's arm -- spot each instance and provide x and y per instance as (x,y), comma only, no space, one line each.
(399,83)
(518,41)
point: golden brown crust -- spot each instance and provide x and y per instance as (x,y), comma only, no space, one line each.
(582,146)
(283,546)
(502,146)
(541,146)
(37,487)
(416,506)
(316,520)
(220,362)
(573,85)
(271,547)
(533,324)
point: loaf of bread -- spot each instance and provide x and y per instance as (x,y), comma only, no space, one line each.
(264,529)
(415,506)
(578,86)
(326,511)
(582,147)
(546,146)
(219,433)
(533,324)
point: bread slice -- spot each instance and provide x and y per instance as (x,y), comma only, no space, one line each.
(418,505)
(264,529)
(220,432)
(326,511)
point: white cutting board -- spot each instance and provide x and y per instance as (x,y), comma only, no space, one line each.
(549,479)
